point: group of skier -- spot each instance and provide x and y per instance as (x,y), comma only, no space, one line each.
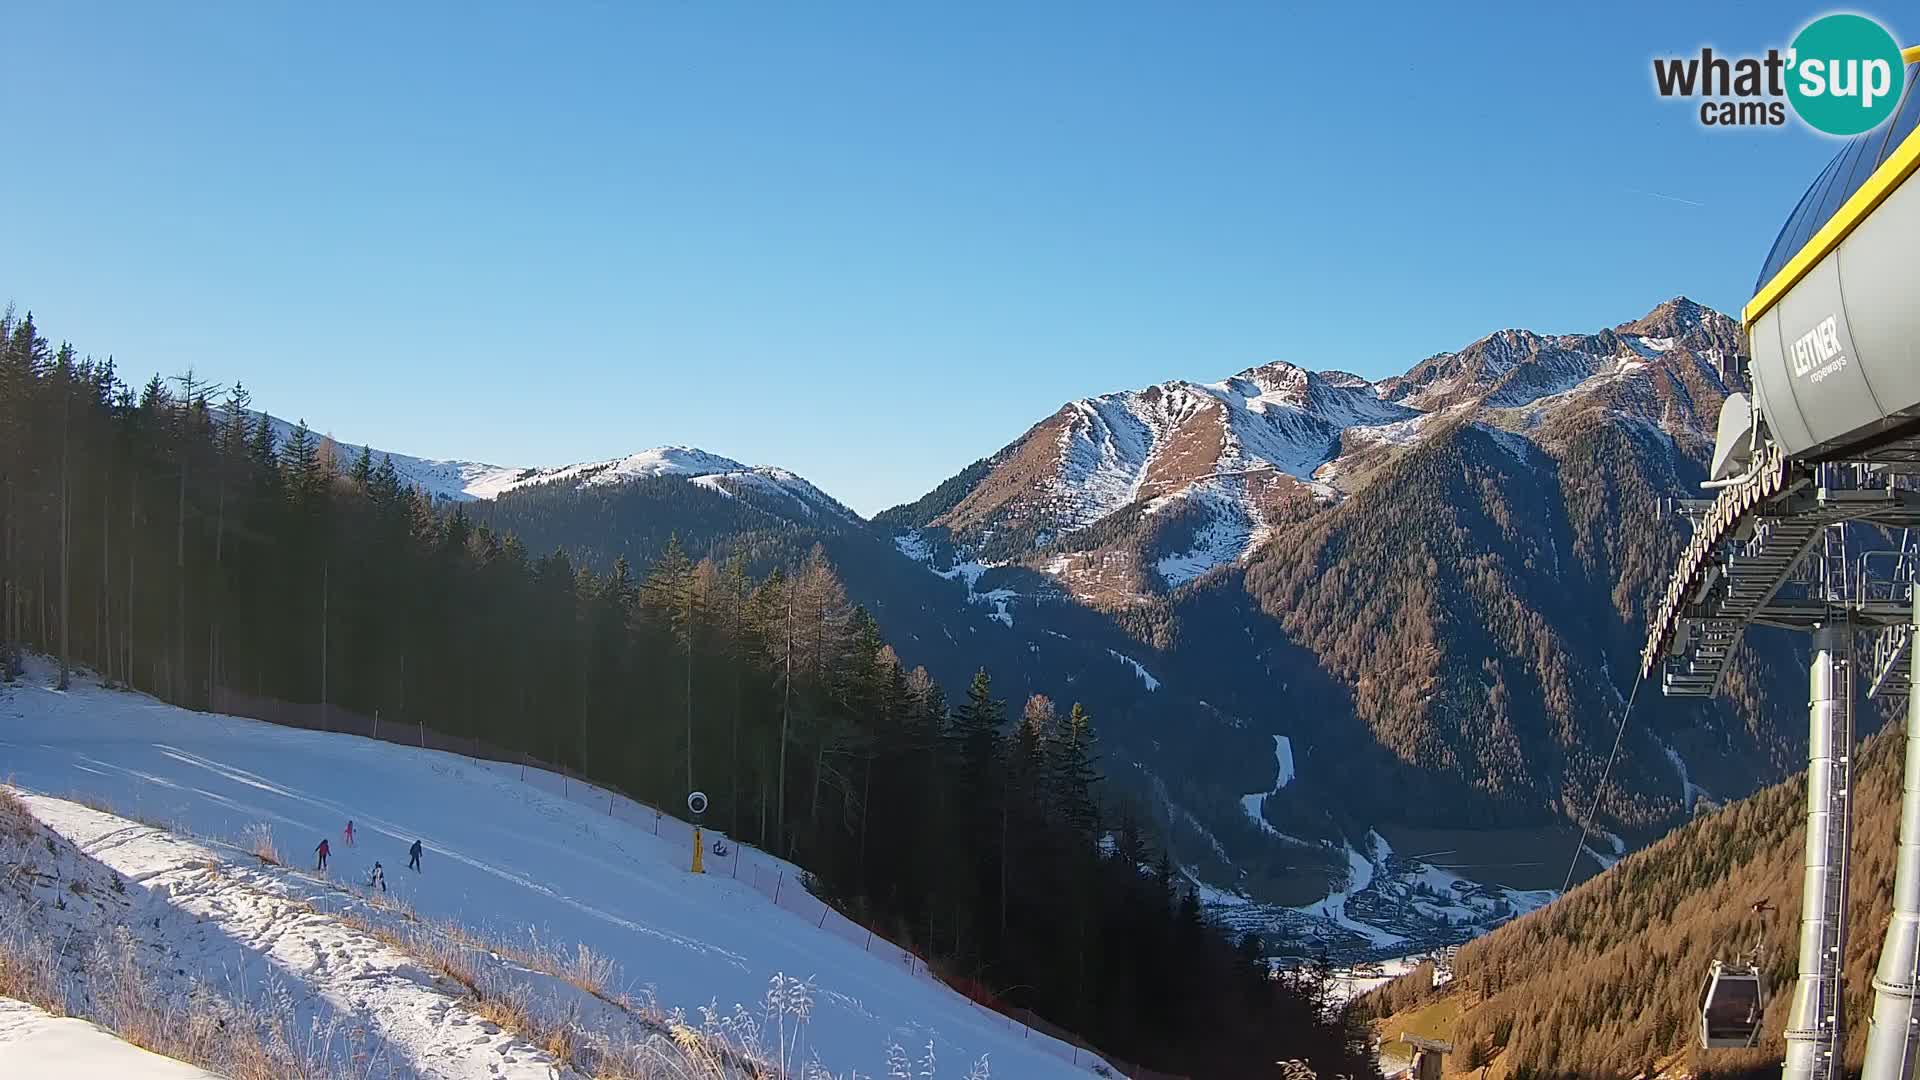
(378,878)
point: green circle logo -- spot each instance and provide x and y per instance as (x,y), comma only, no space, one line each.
(1846,74)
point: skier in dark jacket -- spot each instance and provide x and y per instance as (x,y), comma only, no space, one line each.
(413,857)
(379,878)
(323,852)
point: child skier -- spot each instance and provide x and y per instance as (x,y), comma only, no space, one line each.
(379,878)
(322,851)
(413,857)
(349,832)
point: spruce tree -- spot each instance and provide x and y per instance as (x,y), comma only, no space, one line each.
(670,593)
(1073,773)
(385,483)
(300,460)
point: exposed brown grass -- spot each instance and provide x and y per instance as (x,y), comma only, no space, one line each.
(94,802)
(456,955)
(581,967)
(651,1045)
(589,971)
(206,1029)
(258,840)
(29,971)
(99,978)
(16,821)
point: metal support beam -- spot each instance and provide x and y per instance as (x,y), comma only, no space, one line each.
(1894,1039)
(1815,1023)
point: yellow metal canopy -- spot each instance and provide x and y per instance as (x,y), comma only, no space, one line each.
(1889,176)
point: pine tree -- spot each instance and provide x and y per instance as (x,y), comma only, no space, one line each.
(300,459)
(263,448)
(976,737)
(385,484)
(670,593)
(63,378)
(1072,774)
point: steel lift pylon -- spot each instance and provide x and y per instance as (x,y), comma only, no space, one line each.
(1815,459)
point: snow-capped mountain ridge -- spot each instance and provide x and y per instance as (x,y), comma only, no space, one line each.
(1230,454)
(472,481)
(1119,448)
(659,461)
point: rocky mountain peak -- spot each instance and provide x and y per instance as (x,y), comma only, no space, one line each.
(1675,318)
(1281,378)
(1345,380)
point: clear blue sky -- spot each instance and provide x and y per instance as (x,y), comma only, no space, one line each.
(869,243)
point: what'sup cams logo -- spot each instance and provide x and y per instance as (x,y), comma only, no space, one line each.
(1842,75)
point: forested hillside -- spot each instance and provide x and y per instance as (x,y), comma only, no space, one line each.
(164,537)
(1177,757)
(1442,573)
(1484,606)
(1606,981)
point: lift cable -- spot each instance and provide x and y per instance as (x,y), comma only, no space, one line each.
(1587,827)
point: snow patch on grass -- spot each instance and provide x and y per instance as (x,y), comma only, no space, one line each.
(914,546)
(1220,542)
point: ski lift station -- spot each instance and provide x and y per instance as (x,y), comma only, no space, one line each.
(1829,439)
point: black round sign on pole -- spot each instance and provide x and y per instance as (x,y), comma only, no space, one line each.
(697,802)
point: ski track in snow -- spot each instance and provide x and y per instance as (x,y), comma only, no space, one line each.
(505,855)
(1283,761)
(1690,791)
(1255,805)
(1606,859)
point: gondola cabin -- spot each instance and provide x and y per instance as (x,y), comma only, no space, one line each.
(1730,1007)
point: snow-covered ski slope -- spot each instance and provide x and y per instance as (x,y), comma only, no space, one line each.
(100,905)
(512,854)
(35,1043)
